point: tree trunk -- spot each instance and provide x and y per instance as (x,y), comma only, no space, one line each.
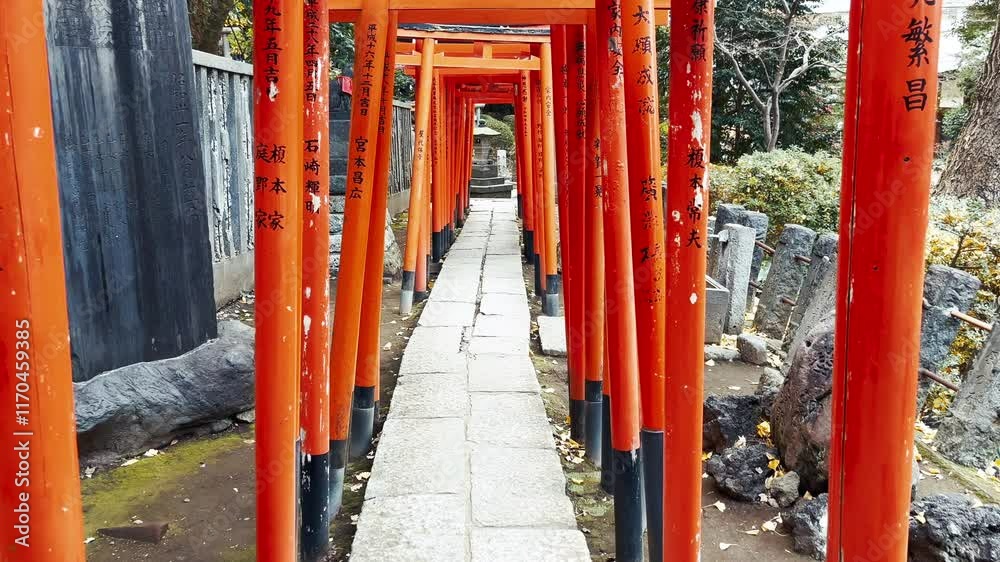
(973,168)
(207,20)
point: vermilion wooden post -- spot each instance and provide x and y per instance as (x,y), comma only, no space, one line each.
(593,327)
(420,292)
(691,44)
(519,152)
(364,411)
(419,196)
(560,79)
(573,205)
(888,150)
(278,131)
(548,138)
(315,387)
(438,197)
(526,151)
(538,184)
(41,517)
(369,60)
(648,252)
(620,289)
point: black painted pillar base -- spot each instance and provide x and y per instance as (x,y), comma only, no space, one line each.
(314,494)
(338,468)
(550,306)
(577,420)
(362,421)
(520,207)
(628,506)
(406,293)
(529,242)
(594,420)
(437,246)
(538,276)
(607,464)
(652,467)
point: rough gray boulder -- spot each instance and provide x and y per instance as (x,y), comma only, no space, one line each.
(954,531)
(784,489)
(128,410)
(971,433)
(800,416)
(768,387)
(807,523)
(727,418)
(741,473)
(753,349)
(945,289)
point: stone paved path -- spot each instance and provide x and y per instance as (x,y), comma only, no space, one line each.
(466,467)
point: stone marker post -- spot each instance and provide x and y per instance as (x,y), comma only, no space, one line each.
(945,289)
(824,257)
(734,269)
(783,280)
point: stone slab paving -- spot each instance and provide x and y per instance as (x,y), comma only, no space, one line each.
(466,468)
(552,333)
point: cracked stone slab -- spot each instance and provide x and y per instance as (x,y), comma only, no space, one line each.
(419,456)
(552,333)
(468,244)
(440,313)
(509,420)
(509,325)
(442,395)
(503,271)
(509,247)
(502,345)
(427,361)
(502,373)
(504,285)
(537,545)
(456,288)
(440,339)
(519,488)
(500,303)
(417,528)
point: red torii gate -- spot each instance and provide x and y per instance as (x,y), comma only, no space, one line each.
(879,288)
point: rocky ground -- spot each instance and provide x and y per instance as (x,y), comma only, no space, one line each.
(203,485)
(731,529)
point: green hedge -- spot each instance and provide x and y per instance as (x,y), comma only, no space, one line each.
(790,186)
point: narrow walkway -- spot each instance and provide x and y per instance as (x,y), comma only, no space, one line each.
(466,467)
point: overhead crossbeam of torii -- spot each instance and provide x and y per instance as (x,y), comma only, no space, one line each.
(613,309)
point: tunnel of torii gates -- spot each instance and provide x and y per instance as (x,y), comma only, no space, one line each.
(633,265)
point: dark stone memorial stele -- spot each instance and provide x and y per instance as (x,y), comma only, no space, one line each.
(131,182)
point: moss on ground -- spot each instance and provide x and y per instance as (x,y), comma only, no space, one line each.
(109,495)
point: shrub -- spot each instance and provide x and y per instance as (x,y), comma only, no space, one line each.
(506,139)
(790,186)
(964,234)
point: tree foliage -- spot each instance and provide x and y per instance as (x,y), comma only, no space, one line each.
(777,78)
(208,17)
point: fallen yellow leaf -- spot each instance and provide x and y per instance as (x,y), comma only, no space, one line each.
(764,429)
